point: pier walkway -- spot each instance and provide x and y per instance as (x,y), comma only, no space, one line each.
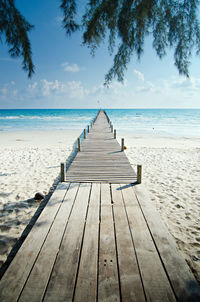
(101,159)
(99,238)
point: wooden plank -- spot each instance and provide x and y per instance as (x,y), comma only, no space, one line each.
(17,273)
(86,286)
(84,180)
(99,179)
(37,282)
(104,154)
(98,142)
(88,145)
(102,164)
(63,277)
(182,280)
(100,161)
(101,157)
(100,173)
(108,281)
(101,169)
(125,180)
(130,280)
(119,169)
(156,284)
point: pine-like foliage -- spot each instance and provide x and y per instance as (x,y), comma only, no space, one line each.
(172,24)
(15,29)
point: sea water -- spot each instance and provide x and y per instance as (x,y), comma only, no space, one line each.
(163,122)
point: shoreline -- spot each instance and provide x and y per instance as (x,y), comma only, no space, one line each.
(30,163)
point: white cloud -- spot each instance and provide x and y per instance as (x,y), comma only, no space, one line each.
(8,89)
(45,88)
(70,68)
(72,90)
(33,86)
(49,87)
(186,83)
(15,92)
(168,92)
(176,86)
(4,91)
(141,89)
(76,90)
(146,87)
(139,75)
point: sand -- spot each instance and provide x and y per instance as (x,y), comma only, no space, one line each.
(30,163)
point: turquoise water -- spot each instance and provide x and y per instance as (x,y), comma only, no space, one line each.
(166,122)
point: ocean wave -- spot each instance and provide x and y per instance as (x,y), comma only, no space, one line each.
(46,118)
(167,121)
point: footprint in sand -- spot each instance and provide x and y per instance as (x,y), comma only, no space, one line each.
(196,244)
(4,228)
(194,233)
(6,243)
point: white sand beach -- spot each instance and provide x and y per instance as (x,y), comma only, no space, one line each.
(30,163)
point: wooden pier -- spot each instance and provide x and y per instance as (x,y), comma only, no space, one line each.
(100,158)
(99,237)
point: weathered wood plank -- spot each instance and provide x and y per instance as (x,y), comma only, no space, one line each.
(108,280)
(17,273)
(130,280)
(100,173)
(101,169)
(86,286)
(116,180)
(37,282)
(63,277)
(156,284)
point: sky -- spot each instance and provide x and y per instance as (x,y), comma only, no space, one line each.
(67,76)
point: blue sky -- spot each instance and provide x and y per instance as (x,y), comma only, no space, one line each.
(67,76)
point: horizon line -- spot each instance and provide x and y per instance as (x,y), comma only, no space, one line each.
(128,108)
